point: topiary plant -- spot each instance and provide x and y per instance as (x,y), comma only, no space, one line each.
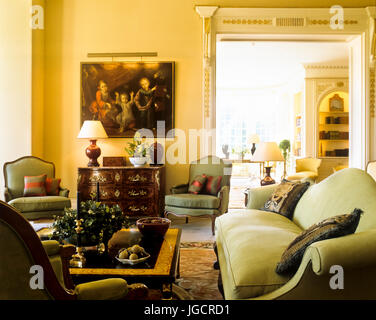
(284,146)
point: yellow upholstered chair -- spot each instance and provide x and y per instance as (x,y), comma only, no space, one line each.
(371,169)
(306,168)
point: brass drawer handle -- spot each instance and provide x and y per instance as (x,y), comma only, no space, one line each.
(117,177)
(117,193)
(93,194)
(137,178)
(134,193)
(97,178)
(135,209)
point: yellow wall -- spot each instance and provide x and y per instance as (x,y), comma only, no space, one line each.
(38,88)
(15,81)
(170,27)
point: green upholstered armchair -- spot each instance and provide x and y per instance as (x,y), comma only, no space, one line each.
(21,249)
(32,207)
(182,203)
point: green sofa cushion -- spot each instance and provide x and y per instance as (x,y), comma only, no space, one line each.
(48,203)
(192,201)
(253,242)
(303,175)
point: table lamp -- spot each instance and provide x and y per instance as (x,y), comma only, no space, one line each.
(268,151)
(92,130)
(253,139)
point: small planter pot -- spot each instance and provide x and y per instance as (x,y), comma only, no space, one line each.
(138,161)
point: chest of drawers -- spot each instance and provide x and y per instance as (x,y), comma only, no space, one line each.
(138,191)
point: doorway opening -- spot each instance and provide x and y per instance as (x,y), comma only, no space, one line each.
(266,90)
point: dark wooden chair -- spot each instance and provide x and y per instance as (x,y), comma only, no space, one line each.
(21,249)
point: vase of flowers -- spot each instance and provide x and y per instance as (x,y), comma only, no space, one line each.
(138,151)
(99,223)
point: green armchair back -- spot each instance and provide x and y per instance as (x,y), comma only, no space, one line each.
(182,203)
(211,166)
(32,207)
(15,171)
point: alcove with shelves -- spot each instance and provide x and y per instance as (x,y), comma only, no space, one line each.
(333,126)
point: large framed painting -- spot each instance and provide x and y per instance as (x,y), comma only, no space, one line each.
(127,96)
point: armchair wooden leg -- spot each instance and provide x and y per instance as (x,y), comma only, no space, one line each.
(213,224)
(186,219)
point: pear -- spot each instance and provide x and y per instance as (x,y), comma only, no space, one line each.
(137,249)
(133,256)
(124,254)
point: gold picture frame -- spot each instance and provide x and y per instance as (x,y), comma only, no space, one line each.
(128,96)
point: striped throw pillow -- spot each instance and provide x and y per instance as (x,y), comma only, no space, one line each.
(213,185)
(197,184)
(35,186)
(52,186)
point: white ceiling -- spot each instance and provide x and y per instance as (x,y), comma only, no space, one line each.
(260,64)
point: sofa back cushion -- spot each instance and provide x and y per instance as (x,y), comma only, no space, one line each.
(211,166)
(338,194)
(308,164)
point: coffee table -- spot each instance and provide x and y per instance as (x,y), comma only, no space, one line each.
(159,271)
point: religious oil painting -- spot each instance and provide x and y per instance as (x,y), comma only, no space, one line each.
(128,96)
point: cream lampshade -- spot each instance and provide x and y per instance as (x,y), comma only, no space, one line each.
(268,151)
(253,139)
(92,130)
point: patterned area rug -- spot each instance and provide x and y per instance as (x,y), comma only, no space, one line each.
(178,293)
(198,245)
(197,275)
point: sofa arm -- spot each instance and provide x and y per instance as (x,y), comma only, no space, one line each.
(63,192)
(181,188)
(108,289)
(224,195)
(258,196)
(51,247)
(353,251)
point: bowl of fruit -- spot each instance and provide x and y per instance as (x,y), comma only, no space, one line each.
(153,227)
(132,255)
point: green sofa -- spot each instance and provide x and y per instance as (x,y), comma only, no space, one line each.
(32,207)
(250,243)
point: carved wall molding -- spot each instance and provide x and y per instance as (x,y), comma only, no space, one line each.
(325,87)
(372,91)
(206,13)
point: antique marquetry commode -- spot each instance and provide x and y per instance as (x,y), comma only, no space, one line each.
(139,191)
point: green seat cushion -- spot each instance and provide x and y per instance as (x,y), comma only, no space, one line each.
(303,175)
(48,203)
(193,201)
(253,242)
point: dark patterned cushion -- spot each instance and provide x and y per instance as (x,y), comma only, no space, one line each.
(213,185)
(326,229)
(52,186)
(285,197)
(35,186)
(197,184)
